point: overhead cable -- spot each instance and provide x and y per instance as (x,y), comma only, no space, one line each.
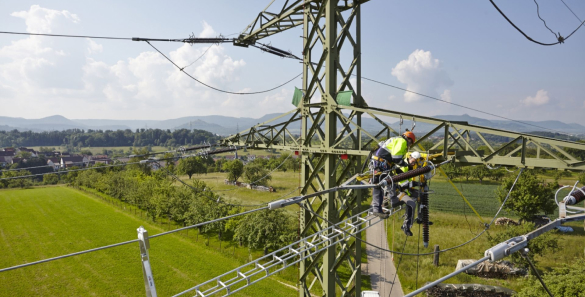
(560,38)
(123,164)
(431,253)
(130,241)
(525,255)
(214,88)
(571,10)
(459,105)
(538,13)
(62,35)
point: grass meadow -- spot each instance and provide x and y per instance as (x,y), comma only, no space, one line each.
(46,222)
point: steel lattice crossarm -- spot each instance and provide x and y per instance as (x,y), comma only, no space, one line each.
(289,16)
(308,247)
(451,138)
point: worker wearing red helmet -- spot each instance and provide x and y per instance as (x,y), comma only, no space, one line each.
(390,152)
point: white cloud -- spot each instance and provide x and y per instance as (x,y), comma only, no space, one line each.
(42,20)
(422,74)
(207,31)
(94,47)
(540,98)
(446,95)
(44,76)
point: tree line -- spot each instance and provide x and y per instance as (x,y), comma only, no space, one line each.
(155,193)
(99,138)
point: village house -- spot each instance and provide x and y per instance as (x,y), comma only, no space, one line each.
(79,161)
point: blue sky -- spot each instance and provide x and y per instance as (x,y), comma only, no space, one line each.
(462,51)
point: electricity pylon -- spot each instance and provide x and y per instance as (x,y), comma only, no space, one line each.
(330,153)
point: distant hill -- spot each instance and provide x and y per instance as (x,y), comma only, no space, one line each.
(224,125)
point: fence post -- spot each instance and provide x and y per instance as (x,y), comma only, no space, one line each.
(436,259)
(147,272)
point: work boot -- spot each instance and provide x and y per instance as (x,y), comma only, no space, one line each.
(382,215)
(406,229)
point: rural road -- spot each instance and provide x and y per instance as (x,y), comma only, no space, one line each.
(380,266)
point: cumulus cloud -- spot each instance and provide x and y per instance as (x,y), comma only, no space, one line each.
(94,47)
(207,31)
(422,74)
(446,95)
(540,98)
(42,76)
(42,20)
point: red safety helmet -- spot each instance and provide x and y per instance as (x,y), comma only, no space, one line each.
(410,136)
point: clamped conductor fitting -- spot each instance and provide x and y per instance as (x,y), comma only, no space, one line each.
(575,196)
(506,248)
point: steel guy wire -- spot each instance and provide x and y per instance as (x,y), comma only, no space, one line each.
(507,196)
(399,261)
(459,105)
(131,241)
(205,52)
(265,176)
(67,171)
(538,13)
(62,35)
(182,149)
(197,190)
(560,38)
(525,255)
(214,88)
(571,10)
(431,253)
(100,167)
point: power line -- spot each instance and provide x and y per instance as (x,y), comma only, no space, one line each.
(63,35)
(459,105)
(131,241)
(190,40)
(487,226)
(214,88)
(560,38)
(205,52)
(571,10)
(538,13)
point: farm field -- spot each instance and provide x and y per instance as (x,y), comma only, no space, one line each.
(453,229)
(47,222)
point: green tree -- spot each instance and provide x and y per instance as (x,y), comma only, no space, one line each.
(234,168)
(561,281)
(50,179)
(452,171)
(466,172)
(529,197)
(190,166)
(256,174)
(268,229)
(24,154)
(426,145)
(480,172)
(86,152)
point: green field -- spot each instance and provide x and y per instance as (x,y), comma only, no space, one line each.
(46,222)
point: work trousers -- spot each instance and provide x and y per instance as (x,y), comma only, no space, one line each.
(398,198)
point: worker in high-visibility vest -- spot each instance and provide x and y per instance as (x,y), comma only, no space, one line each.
(406,192)
(389,154)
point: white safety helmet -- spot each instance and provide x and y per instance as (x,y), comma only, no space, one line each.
(415,155)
